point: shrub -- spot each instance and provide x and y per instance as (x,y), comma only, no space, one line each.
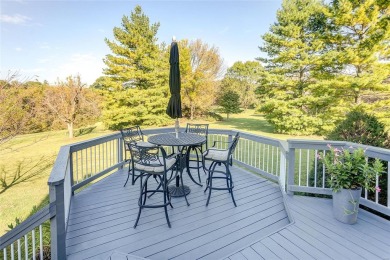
(360,127)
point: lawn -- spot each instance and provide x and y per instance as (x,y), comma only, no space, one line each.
(18,201)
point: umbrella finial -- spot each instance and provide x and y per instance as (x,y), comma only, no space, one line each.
(173,38)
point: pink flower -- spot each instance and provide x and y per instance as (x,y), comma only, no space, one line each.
(319,156)
(378,189)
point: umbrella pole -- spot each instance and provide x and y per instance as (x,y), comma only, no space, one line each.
(177,127)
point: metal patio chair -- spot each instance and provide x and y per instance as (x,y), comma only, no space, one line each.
(153,162)
(199,129)
(132,135)
(219,157)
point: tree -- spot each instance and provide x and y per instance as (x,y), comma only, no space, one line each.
(72,103)
(230,103)
(358,38)
(200,68)
(136,81)
(136,55)
(243,77)
(292,102)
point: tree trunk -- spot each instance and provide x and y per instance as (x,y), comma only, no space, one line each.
(70,129)
(227,116)
(192,111)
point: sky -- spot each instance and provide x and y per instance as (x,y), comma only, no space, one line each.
(50,40)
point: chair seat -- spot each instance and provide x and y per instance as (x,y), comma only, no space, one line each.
(216,154)
(156,169)
(145,144)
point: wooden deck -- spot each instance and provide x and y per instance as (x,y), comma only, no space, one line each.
(102,218)
(315,234)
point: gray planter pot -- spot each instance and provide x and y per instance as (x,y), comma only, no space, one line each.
(346,205)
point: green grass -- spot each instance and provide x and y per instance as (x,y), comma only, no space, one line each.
(19,200)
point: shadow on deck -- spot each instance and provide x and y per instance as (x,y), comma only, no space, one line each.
(102,217)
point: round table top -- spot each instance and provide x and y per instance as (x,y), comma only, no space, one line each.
(185,139)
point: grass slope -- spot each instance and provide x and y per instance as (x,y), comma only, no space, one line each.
(19,200)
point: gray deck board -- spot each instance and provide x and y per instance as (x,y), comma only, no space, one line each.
(102,217)
(317,235)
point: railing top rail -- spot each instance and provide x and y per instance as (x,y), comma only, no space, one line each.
(57,174)
(95,141)
(371,151)
(27,225)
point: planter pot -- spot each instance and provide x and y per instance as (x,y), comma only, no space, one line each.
(346,205)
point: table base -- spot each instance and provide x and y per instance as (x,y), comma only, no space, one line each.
(180,191)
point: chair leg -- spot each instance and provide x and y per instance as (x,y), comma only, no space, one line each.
(128,171)
(197,163)
(140,203)
(208,176)
(210,185)
(165,188)
(230,183)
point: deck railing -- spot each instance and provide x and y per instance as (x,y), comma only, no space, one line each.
(293,164)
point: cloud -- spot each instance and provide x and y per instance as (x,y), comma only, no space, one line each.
(14,19)
(18,49)
(88,66)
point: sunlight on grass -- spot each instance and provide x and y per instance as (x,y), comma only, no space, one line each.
(20,199)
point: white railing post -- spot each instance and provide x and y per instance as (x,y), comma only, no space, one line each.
(291,169)
(282,169)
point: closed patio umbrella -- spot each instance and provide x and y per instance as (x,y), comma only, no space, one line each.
(174,105)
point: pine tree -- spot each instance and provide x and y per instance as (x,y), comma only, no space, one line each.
(292,45)
(136,81)
(358,40)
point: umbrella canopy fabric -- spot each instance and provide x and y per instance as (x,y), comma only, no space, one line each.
(174,105)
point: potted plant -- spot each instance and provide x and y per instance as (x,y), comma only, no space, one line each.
(349,172)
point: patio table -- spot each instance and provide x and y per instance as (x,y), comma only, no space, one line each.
(184,140)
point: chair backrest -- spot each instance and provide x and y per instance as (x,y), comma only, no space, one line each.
(233,145)
(153,156)
(200,129)
(132,134)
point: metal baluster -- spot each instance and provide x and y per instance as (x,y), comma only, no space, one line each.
(40,242)
(307,168)
(253,152)
(263,166)
(19,250)
(299,167)
(95,157)
(256,148)
(315,168)
(12,252)
(77,167)
(82,166)
(33,243)
(323,172)
(388,184)
(365,190)
(5,253)
(272,161)
(90,159)
(106,161)
(376,185)
(86,163)
(26,246)
(267,157)
(278,161)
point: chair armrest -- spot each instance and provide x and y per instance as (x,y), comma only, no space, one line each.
(215,142)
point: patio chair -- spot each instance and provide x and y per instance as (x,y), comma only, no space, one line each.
(219,157)
(153,162)
(200,129)
(132,135)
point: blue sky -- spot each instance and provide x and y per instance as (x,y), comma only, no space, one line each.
(46,40)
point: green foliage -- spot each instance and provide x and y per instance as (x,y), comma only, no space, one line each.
(350,170)
(323,59)
(230,103)
(200,67)
(360,127)
(243,77)
(135,87)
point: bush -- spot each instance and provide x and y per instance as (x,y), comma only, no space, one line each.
(360,127)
